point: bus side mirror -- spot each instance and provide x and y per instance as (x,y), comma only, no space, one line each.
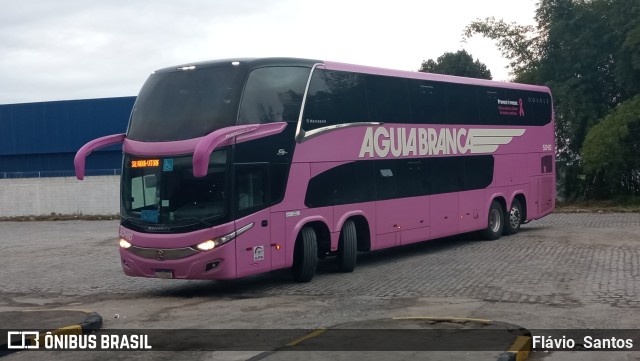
(225,136)
(81,155)
(212,140)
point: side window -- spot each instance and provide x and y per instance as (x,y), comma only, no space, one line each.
(546,164)
(273,94)
(514,107)
(478,171)
(427,102)
(251,188)
(386,180)
(344,184)
(413,178)
(462,103)
(388,99)
(334,97)
(143,191)
(352,183)
(447,174)
(278,174)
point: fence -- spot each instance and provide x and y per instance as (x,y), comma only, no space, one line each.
(58,173)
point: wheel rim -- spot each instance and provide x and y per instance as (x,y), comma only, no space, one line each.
(494,220)
(514,217)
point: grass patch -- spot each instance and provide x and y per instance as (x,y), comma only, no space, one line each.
(601,206)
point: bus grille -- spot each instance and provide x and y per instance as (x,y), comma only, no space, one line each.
(162,254)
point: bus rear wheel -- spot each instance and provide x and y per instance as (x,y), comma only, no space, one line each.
(496,222)
(348,247)
(305,255)
(513,218)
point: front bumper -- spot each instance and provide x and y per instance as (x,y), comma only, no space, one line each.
(217,263)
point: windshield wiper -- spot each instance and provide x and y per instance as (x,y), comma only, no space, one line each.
(209,225)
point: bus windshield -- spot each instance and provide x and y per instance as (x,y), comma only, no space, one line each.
(162,193)
(185,104)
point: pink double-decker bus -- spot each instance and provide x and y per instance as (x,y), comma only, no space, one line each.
(242,166)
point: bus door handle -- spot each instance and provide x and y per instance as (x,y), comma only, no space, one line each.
(264,223)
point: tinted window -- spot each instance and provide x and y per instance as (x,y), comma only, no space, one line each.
(447,174)
(478,171)
(278,174)
(388,99)
(427,102)
(258,186)
(186,104)
(513,107)
(386,180)
(273,94)
(546,164)
(342,185)
(251,188)
(334,98)
(370,180)
(164,191)
(413,178)
(461,103)
(341,97)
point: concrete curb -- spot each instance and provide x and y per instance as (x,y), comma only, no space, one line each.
(91,322)
(518,351)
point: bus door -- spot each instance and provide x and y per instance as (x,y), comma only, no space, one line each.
(253,246)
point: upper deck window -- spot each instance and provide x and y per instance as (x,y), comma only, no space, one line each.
(273,94)
(186,104)
(335,97)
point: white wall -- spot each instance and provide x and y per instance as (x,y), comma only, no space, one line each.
(62,195)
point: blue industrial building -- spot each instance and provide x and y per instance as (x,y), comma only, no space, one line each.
(40,139)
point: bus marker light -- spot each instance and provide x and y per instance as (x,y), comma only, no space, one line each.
(124,244)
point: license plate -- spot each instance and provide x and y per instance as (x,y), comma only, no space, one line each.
(164,273)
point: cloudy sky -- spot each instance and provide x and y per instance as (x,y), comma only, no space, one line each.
(77,49)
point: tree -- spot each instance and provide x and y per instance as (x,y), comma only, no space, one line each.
(587,52)
(611,151)
(459,63)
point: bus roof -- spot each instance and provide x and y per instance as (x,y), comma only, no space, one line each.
(252,63)
(249,63)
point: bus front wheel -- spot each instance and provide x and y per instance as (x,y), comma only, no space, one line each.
(305,255)
(495,224)
(348,247)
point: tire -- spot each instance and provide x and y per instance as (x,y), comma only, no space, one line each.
(495,222)
(305,255)
(348,247)
(513,218)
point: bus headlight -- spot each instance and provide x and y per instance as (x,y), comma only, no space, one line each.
(207,245)
(217,242)
(124,244)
